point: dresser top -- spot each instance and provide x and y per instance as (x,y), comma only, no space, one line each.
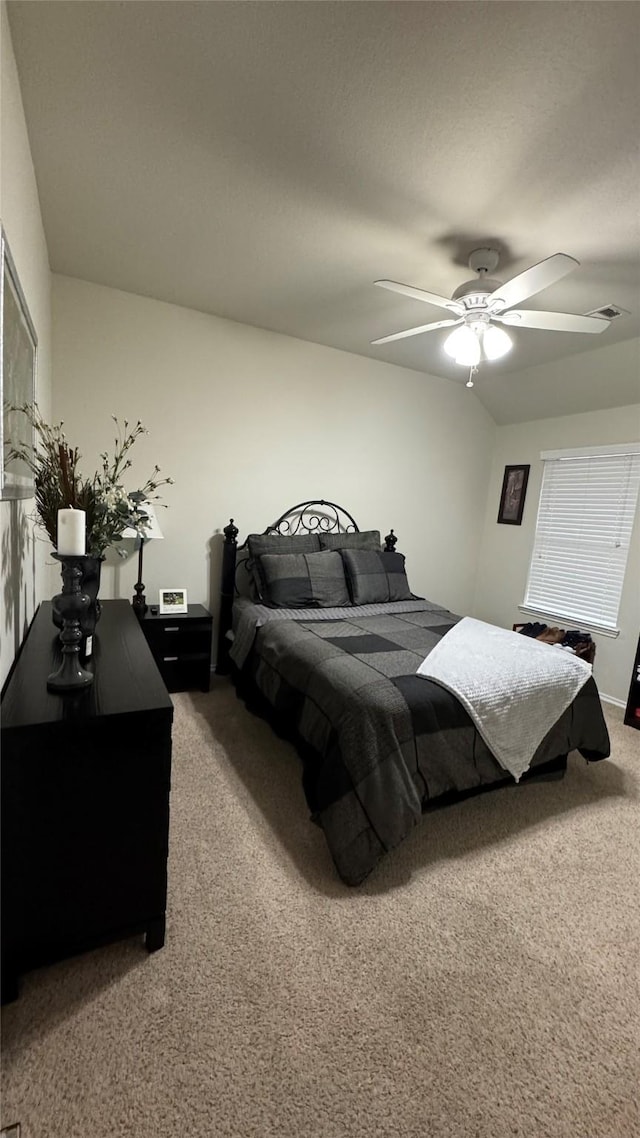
(126,679)
(196,612)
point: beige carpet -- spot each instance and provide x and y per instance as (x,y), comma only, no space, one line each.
(482,984)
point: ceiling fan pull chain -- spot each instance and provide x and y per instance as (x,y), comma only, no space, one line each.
(472,371)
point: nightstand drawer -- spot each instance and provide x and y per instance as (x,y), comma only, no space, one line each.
(186,674)
(178,639)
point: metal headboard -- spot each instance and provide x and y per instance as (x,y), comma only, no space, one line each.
(314,516)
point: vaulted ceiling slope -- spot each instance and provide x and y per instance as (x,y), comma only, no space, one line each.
(267,162)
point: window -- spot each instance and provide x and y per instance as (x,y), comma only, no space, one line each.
(585,518)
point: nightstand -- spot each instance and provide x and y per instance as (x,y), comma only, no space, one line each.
(181,646)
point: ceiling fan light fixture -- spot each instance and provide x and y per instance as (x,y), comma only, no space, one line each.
(496,343)
(463,346)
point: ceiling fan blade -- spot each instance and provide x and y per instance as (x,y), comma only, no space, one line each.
(532,280)
(420,294)
(417,331)
(553,321)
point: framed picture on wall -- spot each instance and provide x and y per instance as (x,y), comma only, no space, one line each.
(173,600)
(514,489)
(18,353)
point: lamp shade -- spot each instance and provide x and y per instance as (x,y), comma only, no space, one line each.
(469,342)
(496,343)
(151,527)
(463,346)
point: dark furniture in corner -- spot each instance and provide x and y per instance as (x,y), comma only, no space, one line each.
(632,710)
(85,798)
(181,646)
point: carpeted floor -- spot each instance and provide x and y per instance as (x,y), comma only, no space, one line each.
(483,983)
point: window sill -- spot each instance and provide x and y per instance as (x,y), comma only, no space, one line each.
(571,622)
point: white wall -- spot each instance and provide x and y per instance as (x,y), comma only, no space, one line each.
(249,422)
(506,550)
(605,376)
(24,575)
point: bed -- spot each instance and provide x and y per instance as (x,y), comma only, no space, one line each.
(322,635)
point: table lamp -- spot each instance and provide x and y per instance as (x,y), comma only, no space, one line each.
(152,530)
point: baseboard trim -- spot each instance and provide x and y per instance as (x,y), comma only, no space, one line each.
(612,699)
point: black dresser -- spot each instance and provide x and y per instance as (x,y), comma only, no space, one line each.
(85,798)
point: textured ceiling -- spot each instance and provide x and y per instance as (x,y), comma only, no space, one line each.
(268,161)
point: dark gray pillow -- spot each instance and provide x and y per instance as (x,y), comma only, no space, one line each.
(375,576)
(363,539)
(304,580)
(260,543)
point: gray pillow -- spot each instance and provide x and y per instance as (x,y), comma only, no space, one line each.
(375,576)
(272,543)
(362,539)
(304,580)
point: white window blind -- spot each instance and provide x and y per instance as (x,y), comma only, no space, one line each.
(585,518)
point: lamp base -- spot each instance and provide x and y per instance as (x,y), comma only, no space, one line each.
(139,602)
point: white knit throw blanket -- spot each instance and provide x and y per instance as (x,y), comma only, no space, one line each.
(514,687)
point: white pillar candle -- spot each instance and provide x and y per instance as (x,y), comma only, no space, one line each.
(71,532)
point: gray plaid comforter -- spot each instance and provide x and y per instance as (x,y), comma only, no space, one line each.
(378,742)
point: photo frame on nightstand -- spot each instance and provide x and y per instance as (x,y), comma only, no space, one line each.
(173,601)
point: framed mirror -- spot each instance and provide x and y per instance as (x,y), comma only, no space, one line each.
(18,359)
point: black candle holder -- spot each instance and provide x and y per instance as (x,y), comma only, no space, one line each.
(72,605)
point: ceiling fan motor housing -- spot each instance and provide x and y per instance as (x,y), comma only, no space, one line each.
(473,294)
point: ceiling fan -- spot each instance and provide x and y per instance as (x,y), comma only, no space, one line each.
(479,306)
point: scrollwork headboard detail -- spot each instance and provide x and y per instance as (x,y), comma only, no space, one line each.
(314,516)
